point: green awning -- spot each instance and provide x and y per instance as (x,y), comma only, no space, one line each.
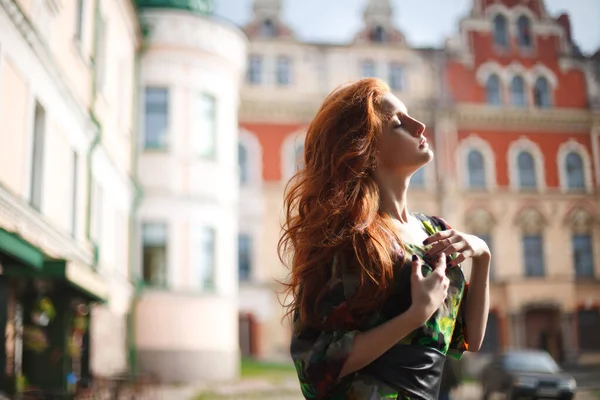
(19,249)
(81,277)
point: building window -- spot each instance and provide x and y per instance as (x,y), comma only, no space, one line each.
(574,166)
(396,76)
(500,31)
(298,157)
(284,73)
(526,168)
(156,118)
(588,328)
(583,256)
(493,90)
(418,178)
(533,254)
(205,116)
(367,69)
(491,342)
(255,70)
(37,159)
(517,90)
(243,163)
(205,257)
(268,29)
(379,34)
(476,167)
(524,32)
(74,189)
(541,93)
(244,257)
(100,58)
(79,18)
(154,254)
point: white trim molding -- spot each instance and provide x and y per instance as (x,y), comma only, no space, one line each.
(572,146)
(288,152)
(254,153)
(474,142)
(488,69)
(540,70)
(516,147)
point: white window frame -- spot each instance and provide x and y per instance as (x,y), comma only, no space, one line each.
(474,142)
(254,153)
(525,144)
(561,160)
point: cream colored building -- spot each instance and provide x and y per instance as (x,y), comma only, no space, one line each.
(186,319)
(66,194)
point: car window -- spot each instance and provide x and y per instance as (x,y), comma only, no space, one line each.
(529,362)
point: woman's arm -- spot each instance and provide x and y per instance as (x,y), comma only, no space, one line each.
(371,344)
(427,294)
(478,301)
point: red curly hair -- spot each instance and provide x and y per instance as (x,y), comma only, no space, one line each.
(332,204)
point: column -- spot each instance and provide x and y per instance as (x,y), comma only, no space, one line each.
(570,353)
(517,320)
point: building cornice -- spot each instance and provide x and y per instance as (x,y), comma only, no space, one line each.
(18,217)
(546,120)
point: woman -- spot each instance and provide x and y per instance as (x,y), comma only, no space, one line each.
(377,304)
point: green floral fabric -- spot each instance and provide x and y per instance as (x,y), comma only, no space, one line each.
(320,354)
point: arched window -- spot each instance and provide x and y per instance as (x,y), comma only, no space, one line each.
(476,166)
(524,32)
(517,91)
(526,168)
(379,34)
(493,90)
(243,163)
(267,28)
(500,30)
(575,176)
(541,92)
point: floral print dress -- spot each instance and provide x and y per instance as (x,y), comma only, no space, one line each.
(319,355)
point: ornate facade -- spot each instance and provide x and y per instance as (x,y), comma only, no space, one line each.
(511,109)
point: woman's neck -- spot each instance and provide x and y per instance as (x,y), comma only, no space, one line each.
(393,197)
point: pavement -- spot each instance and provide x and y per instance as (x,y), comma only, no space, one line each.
(289,390)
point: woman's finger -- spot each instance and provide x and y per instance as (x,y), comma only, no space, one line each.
(440,245)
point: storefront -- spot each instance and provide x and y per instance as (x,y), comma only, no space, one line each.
(45,318)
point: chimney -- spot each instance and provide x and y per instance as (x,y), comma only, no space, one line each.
(565,22)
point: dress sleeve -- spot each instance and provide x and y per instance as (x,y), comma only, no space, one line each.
(319,355)
(459,343)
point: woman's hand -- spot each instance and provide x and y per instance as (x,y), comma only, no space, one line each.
(428,293)
(451,241)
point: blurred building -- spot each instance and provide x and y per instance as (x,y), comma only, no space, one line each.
(287,80)
(66,193)
(186,318)
(512,112)
(523,135)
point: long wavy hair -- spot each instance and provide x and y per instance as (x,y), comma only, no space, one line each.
(332,205)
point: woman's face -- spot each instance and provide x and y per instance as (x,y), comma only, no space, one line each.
(402,149)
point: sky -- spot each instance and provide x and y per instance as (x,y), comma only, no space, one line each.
(425,23)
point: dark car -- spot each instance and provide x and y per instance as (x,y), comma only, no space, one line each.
(531,374)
